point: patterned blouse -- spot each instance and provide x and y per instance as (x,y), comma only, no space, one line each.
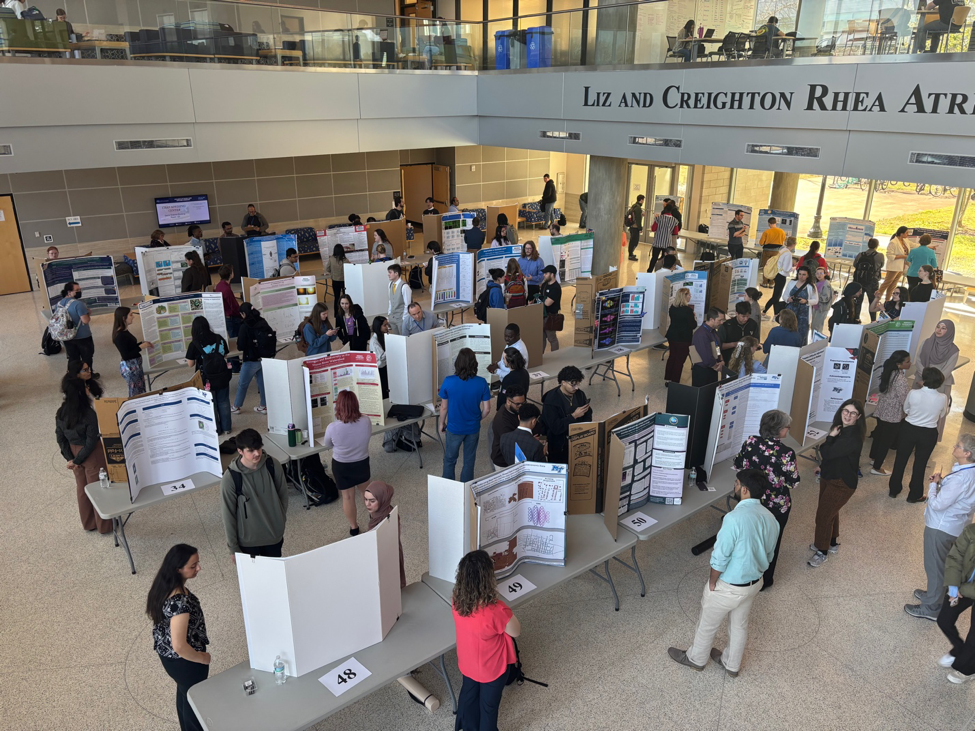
(196,632)
(778,462)
(890,405)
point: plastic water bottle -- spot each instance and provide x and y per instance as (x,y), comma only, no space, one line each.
(103,478)
(692,476)
(279,676)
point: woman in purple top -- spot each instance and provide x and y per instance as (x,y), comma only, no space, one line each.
(531,266)
(352,325)
(348,437)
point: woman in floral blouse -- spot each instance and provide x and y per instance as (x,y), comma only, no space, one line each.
(767,453)
(890,408)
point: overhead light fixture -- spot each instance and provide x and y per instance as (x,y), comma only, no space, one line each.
(555,135)
(657,141)
(782,150)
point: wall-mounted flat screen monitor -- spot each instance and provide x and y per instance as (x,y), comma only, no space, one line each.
(183,210)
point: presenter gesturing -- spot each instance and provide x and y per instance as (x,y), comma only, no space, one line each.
(348,437)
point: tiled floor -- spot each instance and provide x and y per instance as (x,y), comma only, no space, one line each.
(829,649)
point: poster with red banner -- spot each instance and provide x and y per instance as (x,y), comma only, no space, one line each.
(330,373)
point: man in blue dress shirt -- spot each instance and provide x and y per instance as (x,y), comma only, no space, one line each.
(742,551)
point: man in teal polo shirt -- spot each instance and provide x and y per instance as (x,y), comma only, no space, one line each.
(917,258)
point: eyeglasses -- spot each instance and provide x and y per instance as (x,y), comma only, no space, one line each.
(851,412)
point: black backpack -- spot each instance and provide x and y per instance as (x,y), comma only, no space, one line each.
(562,220)
(49,346)
(264,339)
(239,481)
(320,487)
(481,306)
(214,368)
(415,280)
(865,271)
(629,220)
(516,674)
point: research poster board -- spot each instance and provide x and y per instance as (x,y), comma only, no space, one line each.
(570,254)
(449,342)
(265,253)
(619,314)
(585,309)
(285,393)
(788,221)
(95,274)
(866,361)
(654,311)
(939,242)
(453,279)
(352,584)
(454,226)
(330,373)
(277,299)
(168,437)
(737,413)
(721,215)
(409,363)
(354,239)
(838,379)
(783,360)
(161,269)
(892,335)
(167,323)
(368,286)
(697,283)
(650,455)
(487,259)
(847,237)
(452,519)
(521,515)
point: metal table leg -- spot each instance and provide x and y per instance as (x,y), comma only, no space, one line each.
(608,374)
(635,568)
(608,578)
(442,672)
(118,532)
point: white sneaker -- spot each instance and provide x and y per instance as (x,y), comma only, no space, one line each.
(832,549)
(817,560)
(947,660)
(260,409)
(879,473)
(234,410)
(955,677)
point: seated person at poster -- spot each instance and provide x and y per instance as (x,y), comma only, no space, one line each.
(196,277)
(474,236)
(517,376)
(396,212)
(207,353)
(917,258)
(196,237)
(734,329)
(706,346)
(523,437)
(921,292)
(317,331)
(466,401)
(844,310)
(254,224)
(499,239)
(379,238)
(785,333)
(231,310)
(377,346)
(742,361)
(255,332)
(484,626)
(348,437)
(454,206)
(563,406)
(352,325)
(505,420)
(288,266)
(419,320)
(431,209)
(157,239)
(509,231)
(894,304)
(254,494)
(512,339)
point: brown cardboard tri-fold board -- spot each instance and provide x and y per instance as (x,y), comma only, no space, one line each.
(106,410)
(719,283)
(586,289)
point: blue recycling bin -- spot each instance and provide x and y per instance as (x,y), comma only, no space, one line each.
(502,46)
(539,42)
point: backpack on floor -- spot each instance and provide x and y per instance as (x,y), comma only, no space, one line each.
(61,327)
(214,368)
(516,674)
(403,438)
(321,488)
(49,346)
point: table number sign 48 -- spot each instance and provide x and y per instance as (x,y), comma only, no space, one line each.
(347,675)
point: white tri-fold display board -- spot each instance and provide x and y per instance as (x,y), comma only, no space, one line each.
(368,286)
(455,225)
(738,408)
(409,365)
(487,259)
(167,323)
(453,279)
(161,268)
(321,606)
(354,239)
(570,254)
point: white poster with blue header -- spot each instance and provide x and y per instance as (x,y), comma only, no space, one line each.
(788,221)
(697,283)
(455,225)
(847,237)
(488,259)
(264,254)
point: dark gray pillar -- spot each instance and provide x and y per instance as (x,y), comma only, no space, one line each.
(607,206)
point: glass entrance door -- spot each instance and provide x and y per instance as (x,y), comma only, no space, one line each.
(649,180)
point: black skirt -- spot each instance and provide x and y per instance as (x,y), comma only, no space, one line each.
(350,474)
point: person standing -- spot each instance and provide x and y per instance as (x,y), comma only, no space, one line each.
(130,351)
(551,294)
(396,212)
(844,309)
(798,298)
(179,629)
(960,580)
(897,251)
(680,333)
(254,224)
(784,268)
(753,297)
(939,351)
(706,358)
(207,353)
(335,270)
(348,438)
(867,267)
(76,430)
(634,225)
(549,197)
(474,236)
(82,345)
(924,409)
(951,505)
(485,627)
(196,237)
(563,406)
(254,331)
(838,477)
(317,331)
(505,420)
(733,330)
(737,235)
(378,499)
(773,237)
(665,228)
(196,277)
(813,259)
(352,325)
(822,300)
(917,258)
(517,376)
(532,266)
(742,551)
(255,500)
(779,463)
(400,296)
(231,309)
(786,332)
(523,438)
(515,285)
(584,208)
(465,401)
(894,388)
(377,346)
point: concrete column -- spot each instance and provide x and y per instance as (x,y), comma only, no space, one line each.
(607,206)
(615,33)
(785,186)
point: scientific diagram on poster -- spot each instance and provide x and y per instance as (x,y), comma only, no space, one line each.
(571,255)
(161,268)
(167,323)
(453,279)
(521,515)
(619,317)
(738,409)
(847,237)
(487,259)
(327,375)
(455,225)
(265,253)
(449,342)
(354,239)
(649,454)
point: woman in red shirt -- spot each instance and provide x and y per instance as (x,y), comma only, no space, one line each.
(485,626)
(812,259)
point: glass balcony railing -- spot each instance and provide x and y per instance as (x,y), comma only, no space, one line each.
(611,35)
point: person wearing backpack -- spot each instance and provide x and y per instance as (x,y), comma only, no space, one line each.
(81,346)
(783,268)
(634,225)
(255,340)
(317,331)
(492,296)
(207,353)
(254,498)
(866,272)
(515,286)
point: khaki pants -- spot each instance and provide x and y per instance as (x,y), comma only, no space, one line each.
(887,286)
(734,602)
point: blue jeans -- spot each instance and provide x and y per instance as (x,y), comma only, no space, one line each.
(221,409)
(233,325)
(249,369)
(549,209)
(684,52)
(452,451)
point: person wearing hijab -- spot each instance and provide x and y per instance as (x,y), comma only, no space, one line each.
(939,351)
(844,311)
(378,498)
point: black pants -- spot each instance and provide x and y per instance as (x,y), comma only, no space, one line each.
(338,289)
(82,349)
(884,440)
(186,674)
(702,375)
(858,303)
(963,650)
(736,249)
(272,551)
(654,254)
(478,704)
(921,441)
(533,292)
(781,519)
(776,297)
(384,382)
(634,240)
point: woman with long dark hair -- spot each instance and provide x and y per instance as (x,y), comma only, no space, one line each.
(485,627)
(894,304)
(685,40)
(812,259)
(894,388)
(921,292)
(499,238)
(379,239)
(179,629)
(838,477)
(80,369)
(76,429)
(335,270)
(844,311)
(352,325)
(253,327)
(206,343)
(317,331)
(196,277)
(798,299)
(377,345)
(348,437)
(897,250)
(130,350)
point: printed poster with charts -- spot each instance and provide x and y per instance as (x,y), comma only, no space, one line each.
(738,409)
(448,343)
(697,283)
(721,214)
(788,221)
(894,335)
(487,259)
(939,242)
(354,239)
(333,372)
(277,299)
(161,269)
(265,253)
(654,450)
(571,255)
(455,225)
(607,308)
(168,437)
(847,237)
(838,376)
(95,274)
(521,515)
(453,278)
(167,323)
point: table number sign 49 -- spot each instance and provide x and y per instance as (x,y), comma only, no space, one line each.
(515,587)
(347,675)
